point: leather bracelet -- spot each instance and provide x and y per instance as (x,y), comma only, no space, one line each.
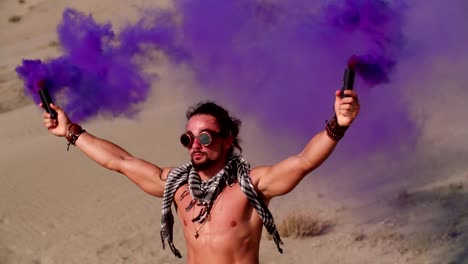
(73,133)
(334,131)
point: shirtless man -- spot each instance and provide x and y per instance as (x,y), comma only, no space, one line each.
(222,219)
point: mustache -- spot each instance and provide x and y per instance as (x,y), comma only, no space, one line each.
(197,152)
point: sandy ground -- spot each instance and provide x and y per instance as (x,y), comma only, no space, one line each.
(59,207)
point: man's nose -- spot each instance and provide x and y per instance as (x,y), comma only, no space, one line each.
(196,143)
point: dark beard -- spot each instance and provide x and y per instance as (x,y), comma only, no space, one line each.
(203,165)
(206,164)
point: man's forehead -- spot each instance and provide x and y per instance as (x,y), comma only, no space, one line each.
(202,122)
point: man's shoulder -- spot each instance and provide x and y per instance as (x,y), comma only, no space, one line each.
(257,172)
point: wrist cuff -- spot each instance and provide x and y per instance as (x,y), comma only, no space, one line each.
(73,133)
(334,131)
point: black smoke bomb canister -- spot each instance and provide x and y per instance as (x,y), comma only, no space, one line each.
(46,98)
(349,74)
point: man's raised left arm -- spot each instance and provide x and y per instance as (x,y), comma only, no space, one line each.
(282,177)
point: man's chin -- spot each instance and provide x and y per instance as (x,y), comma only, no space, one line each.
(201,164)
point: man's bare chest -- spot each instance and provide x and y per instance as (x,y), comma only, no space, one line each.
(231,210)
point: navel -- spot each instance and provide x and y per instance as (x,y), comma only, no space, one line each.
(233,223)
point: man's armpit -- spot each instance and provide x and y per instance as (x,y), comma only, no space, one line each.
(161,175)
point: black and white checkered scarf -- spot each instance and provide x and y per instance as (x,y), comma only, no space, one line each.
(205,193)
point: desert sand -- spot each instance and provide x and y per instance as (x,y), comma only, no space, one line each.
(60,207)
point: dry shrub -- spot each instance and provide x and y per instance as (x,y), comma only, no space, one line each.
(359,236)
(303,225)
(54,43)
(455,187)
(14,19)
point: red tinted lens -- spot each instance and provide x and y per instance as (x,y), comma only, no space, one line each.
(186,140)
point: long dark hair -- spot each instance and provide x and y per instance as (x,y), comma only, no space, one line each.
(229,125)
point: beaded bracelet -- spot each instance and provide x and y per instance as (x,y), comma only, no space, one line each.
(74,131)
(334,131)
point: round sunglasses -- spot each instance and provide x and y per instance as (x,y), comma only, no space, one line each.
(205,138)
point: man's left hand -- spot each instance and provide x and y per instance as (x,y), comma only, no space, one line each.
(346,109)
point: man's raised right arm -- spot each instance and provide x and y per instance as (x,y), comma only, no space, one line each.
(147,176)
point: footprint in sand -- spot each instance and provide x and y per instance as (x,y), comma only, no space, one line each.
(8,255)
(3,221)
(29,6)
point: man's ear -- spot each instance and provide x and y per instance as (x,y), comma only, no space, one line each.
(228,142)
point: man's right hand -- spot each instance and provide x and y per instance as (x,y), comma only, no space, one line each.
(59,126)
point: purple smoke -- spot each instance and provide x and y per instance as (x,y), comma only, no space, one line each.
(252,52)
(283,60)
(375,25)
(100,72)
(280,61)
